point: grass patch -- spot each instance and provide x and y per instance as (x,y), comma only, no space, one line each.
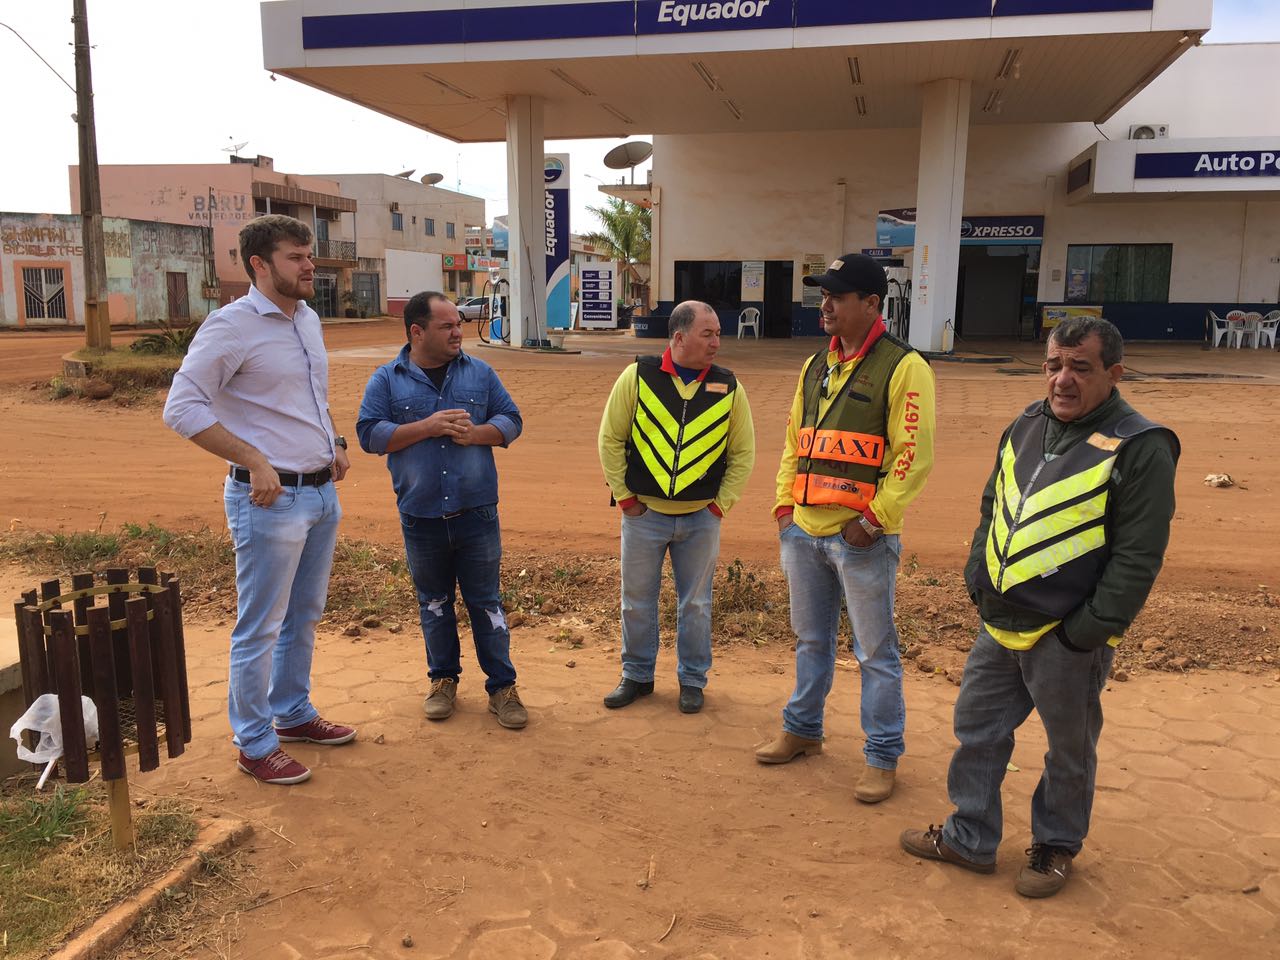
(58,870)
(125,368)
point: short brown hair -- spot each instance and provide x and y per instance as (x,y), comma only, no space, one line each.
(260,237)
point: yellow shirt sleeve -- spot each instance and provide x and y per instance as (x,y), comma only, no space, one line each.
(787,467)
(615,427)
(741,452)
(909,458)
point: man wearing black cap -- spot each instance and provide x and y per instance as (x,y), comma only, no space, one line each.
(859,446)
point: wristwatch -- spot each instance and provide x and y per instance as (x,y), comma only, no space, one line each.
(340,441)
(872,530)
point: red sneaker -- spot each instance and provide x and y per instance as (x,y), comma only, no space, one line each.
(317,730)
(276,767)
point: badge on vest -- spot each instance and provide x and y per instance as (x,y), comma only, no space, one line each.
(716,387)
(1104,442)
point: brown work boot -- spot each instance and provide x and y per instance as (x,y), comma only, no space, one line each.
(929,845)
(510,711)
(1046,871)
(439,702)
(874,785)
(785,747)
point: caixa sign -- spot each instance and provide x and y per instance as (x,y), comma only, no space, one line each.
(1212,163)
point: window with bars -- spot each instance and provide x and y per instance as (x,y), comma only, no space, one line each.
(431,227)
(44,293)
(450,231)
(1119,273)
(397,221)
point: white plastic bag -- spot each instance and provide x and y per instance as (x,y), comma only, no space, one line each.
(42,717)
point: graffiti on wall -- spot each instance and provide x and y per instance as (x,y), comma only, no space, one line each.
(171,240)
(41,241)
(116,244)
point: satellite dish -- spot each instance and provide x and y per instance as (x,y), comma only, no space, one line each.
(406,174)
(627,155)
(235,148)
(431,179)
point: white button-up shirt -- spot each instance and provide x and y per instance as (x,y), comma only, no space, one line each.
(264,377)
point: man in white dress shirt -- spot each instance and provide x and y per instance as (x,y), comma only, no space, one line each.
(254,390)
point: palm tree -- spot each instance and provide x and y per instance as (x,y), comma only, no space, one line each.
(625,235)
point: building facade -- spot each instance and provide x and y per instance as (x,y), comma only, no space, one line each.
(155,271)
(414,236)
(221,198)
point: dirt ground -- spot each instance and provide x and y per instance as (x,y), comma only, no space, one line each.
(586,834)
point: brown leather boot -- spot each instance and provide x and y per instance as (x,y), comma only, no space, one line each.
(786,747)
(874,785)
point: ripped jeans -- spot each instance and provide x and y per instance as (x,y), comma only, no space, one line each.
(460,553)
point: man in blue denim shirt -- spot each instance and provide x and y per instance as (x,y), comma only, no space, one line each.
(438,413)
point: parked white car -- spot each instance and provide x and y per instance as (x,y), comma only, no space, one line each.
(473,308)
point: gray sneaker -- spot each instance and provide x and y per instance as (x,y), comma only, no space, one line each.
(439,702)
(510,711)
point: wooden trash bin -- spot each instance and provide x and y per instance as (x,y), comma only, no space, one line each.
(128,655)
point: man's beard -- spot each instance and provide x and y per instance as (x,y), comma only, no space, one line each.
(297,290)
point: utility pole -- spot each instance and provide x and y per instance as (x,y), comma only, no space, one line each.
(97,315)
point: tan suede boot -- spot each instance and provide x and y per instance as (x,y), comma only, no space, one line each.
(874,785)
(786,747)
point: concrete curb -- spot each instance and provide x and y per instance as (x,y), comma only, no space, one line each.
(215,837)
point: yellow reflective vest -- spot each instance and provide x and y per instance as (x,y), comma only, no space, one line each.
(677,449)
(1047,541)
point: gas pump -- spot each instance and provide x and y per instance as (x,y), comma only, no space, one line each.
(497,325)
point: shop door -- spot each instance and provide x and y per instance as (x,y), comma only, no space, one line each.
(989,294)
(176,288)
(776,309)
(326,301)
(365,286)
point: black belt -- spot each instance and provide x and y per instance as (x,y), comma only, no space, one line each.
(317,479)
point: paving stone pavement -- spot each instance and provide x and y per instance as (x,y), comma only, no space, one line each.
(584,836)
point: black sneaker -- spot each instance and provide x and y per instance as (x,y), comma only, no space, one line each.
(1046,871)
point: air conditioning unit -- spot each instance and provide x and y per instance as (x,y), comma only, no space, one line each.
(1149,131)
(333,216)
(395,207)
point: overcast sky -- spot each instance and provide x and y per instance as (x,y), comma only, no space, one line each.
(175,82)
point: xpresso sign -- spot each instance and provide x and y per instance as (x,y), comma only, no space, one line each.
(1216,163)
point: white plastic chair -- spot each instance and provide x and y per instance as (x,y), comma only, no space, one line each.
(1237,328)
(1220,328)
(750,317)
(1267,329)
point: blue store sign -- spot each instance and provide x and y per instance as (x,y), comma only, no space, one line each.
(1213,163)
(897,228)
(565,21)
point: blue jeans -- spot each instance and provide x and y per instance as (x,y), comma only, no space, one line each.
(821,571)
(999,690)
(694,542)
(283,556)
(460,553)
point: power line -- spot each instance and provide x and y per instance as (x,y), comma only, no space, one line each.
(37,53)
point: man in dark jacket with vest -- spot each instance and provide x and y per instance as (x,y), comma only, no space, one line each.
(677,446)
(1075,521)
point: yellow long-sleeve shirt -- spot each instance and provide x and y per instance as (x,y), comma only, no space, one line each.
(615,430)
(908,457)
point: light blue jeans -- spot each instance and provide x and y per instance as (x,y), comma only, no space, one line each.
(283,556)
(694,542)
(821,571)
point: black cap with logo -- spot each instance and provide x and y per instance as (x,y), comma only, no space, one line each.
(852,273)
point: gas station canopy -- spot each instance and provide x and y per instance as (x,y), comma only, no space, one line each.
(614,68)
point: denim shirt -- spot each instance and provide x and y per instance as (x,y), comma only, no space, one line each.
(436,476)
